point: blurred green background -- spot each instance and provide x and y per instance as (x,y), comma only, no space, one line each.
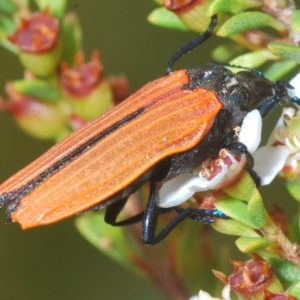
(55,262)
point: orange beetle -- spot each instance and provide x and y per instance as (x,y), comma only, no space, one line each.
(169,126)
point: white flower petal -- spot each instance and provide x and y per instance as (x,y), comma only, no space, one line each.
(176,190)
(269,161)
(290,146)
(272,139)
(203,184)
(206,296)
(250,134)
(226,292)
(296,156)
(286,111)
(194,298)
(296,141)
(295,82)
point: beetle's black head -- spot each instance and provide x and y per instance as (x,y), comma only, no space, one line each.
(269,93)
(240,92)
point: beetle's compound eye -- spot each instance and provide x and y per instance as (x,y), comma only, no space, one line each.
(259,84)
(262,88)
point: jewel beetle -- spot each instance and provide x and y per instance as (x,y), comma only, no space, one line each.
(168,127)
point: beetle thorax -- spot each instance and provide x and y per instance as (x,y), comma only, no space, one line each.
(240,93)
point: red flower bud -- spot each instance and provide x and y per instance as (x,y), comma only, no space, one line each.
(84,86)
(40,119)
(80,80)
(181,5)
(253,277)
(120,88)
(278,296)
(191,12)
(37,39)
(37,34)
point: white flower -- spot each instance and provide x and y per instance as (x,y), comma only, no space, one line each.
(282,151)
(250,134)
(205,296)
(213,174)
(269,161)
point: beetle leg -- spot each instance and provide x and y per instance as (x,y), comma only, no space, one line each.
(241,148)
(202,215)
(152,212)
(113,211)
(177,220)
(151,216)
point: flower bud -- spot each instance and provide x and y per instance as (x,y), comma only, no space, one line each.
(278,296)
(85,88)
(191,12)
(37,39)
(41,119)
(120,88)
(250,280)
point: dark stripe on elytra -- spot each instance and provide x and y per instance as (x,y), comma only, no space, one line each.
(13,197)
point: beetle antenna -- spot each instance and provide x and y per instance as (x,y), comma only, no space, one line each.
(196,41)
(237,67)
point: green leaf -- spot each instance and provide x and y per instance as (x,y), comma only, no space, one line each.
(295,23)
(233,227)
(286,51)
(286,271)
(294,188)
(7,25)
(166,18)
(257,210)
(71,38)
(253,59)
(236,210)
(9,46)
(249,244)
(8,7)
(37,88)
(225,53)
(249,20)
(294,290)
(243,189)
(57,7)
(280,69)
(233,6)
